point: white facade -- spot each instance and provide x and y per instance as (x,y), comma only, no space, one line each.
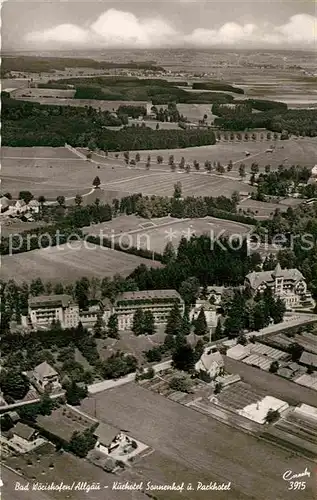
(209,310)
(159,302)
(45,376)
(211,363)
(287,284)
(45,309)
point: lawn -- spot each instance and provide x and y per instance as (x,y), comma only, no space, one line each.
(156,233)
(187,439)
(57,171)
(64,264)
(193,184)
(297,151)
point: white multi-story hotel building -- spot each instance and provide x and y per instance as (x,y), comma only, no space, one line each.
(45,309)
(288,284)
(159,302)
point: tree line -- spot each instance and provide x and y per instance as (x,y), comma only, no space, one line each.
(26,124)
(274,117)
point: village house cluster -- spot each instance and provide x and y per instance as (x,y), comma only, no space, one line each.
(287,284)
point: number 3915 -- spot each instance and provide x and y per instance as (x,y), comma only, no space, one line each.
(297,485)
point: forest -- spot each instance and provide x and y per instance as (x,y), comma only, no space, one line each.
(274,116)
(31,64)
(26,124)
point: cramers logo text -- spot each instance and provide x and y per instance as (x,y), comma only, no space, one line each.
(289,475)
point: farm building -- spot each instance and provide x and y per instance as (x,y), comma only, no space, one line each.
(5,203)
(314,172)
(307,380)
(256,354)
(22,438)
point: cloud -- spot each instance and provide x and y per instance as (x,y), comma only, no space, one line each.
(63,33)
(120,29)
(299,31)
(113,28)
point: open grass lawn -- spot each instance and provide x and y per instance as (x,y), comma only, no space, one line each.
(298,151)
(65,264)
(155,234)
(263,209)
(55,171)
(162,183)
(187,440)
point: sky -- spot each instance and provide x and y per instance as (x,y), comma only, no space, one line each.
(146,24)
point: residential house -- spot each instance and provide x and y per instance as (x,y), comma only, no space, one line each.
(314,173)
(215,294)
(34,206)
(109,438)
(46,377)
(209,310)
(20,207)
(287,284)
(24,437)
(5,203)
(210,362)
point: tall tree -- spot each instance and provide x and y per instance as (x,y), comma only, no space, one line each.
(113,327)
(169,253)
(148,323)
(184,358)
(242,171)
(218,331)
(26,196)
(174,321)
(177,190)
(137,326)
(189,290)
(78,200)
(96,182)
(201,327)
(60,200)
(14,384)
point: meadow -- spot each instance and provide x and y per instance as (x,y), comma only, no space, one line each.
(185,438)
(58,171)
(67,263)
(154,234)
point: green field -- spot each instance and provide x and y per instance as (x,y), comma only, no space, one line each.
(153,235)
(55,171)
(67,263)
(189,441)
